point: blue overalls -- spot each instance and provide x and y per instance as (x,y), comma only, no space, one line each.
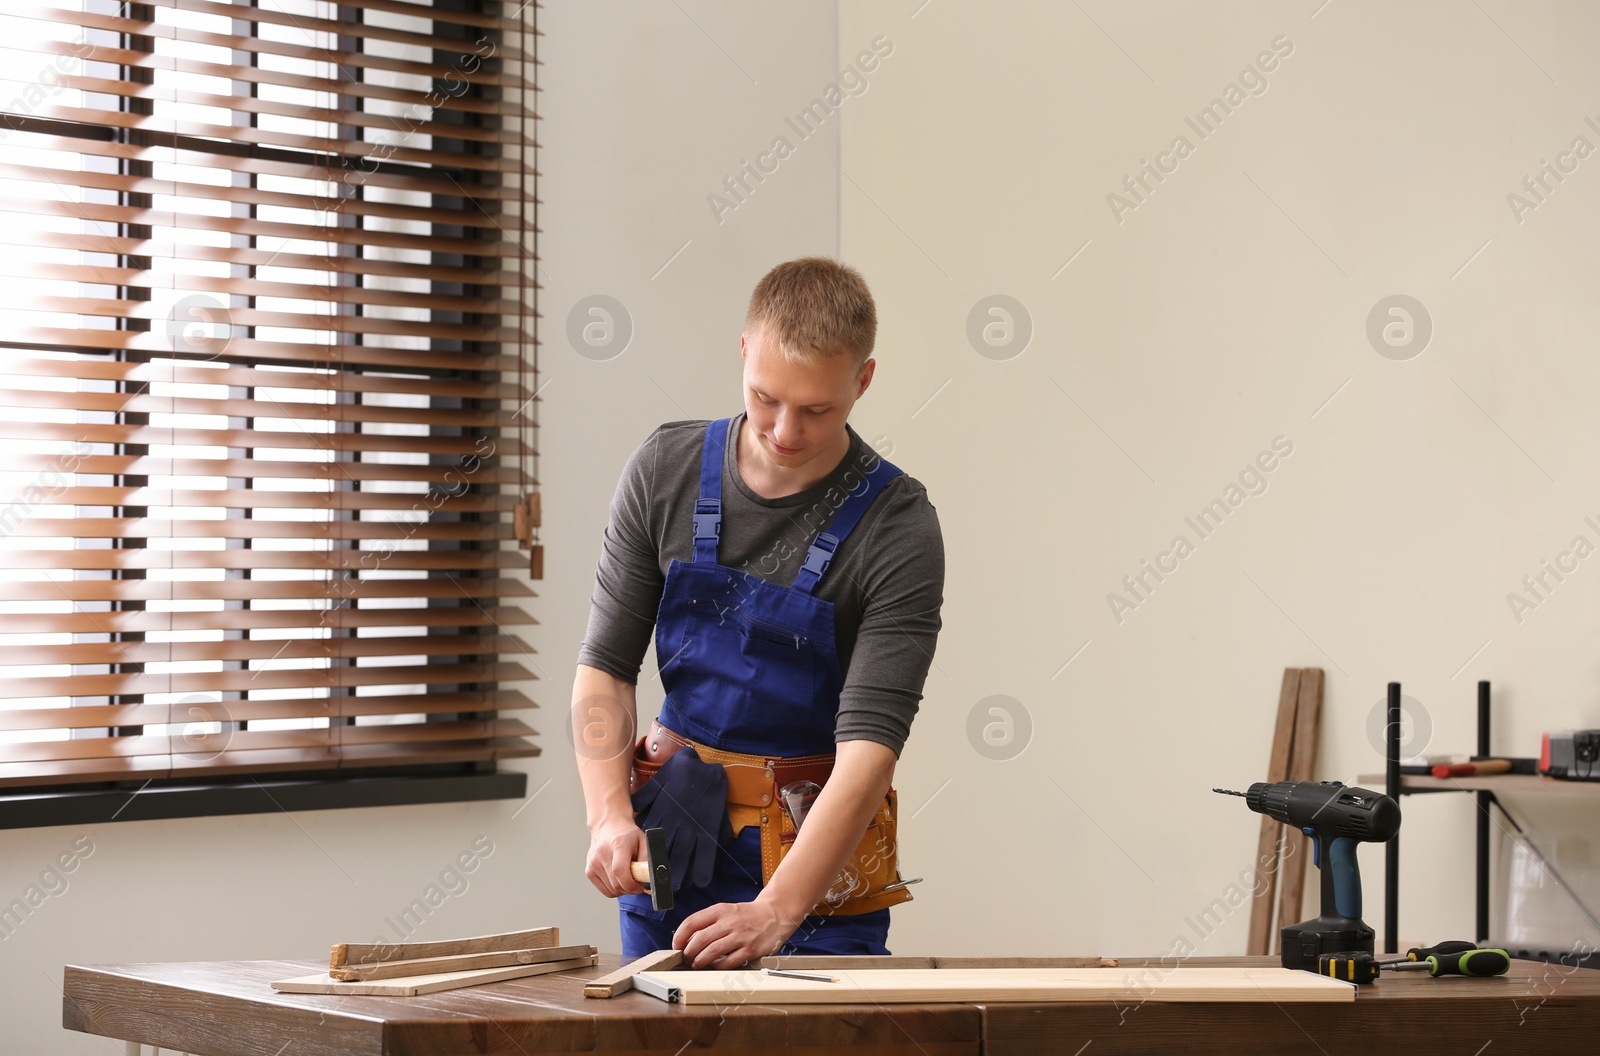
(751,667)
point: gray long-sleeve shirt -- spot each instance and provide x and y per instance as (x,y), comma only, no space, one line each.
(886,581)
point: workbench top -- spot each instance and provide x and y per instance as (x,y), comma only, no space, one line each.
(228,1008)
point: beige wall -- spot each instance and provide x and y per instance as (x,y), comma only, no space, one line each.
(1194,328)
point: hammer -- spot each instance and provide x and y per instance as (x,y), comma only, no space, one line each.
(655,873)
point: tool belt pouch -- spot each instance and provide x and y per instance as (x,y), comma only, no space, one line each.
(753,783)
(873,865)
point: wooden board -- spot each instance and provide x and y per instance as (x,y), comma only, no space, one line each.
(621,980)
(1272,830)
(919,986)
(323,983)
(375,953)
(462,963)
(1302,767)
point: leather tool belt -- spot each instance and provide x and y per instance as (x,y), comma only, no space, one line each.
(753,784)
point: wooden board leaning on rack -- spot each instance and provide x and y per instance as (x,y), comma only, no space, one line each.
(920,986)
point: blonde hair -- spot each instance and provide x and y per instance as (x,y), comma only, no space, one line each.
(815,307)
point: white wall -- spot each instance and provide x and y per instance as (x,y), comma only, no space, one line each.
(1220,313)
(643,117)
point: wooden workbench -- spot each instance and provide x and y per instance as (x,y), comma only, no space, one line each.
(227,1008)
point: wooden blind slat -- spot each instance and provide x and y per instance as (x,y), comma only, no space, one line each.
(273,407)
(444,476)
(250,438)
(350,560)
(348,591)
(257,681)
(490,274)
(261,500)
(222,374)
(88,716)
(199,764)
(334,616)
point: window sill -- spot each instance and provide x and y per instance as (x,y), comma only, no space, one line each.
(270,794)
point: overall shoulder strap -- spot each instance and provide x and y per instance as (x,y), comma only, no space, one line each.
(820,555)
(708,507)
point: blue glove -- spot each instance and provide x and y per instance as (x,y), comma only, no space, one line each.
(689,800)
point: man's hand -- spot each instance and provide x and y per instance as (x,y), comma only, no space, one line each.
(730,933)
(613,848)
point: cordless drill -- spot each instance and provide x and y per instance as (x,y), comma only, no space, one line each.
(1336,817)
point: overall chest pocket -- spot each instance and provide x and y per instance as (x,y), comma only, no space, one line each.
(777,667)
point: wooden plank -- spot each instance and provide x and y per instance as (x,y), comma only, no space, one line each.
(411,986)
(621,980)
(918,986)
(459,963)
(1261,938)
(374,953)
(1021,962)
(1302,767)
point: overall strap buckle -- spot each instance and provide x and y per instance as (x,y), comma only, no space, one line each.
(820,555)
(707,519)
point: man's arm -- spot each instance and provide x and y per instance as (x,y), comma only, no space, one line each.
(732,933)
(604,716)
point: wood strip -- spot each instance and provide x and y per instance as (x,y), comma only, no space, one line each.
(421,12)
(330,29)
(257,439)
(341,501)
(331,616)
(343,355)
(620,981)
(239,528)
(91,653)
(341,471)
(471,271)
(460,962)
(319,169)
(302,78)
(186,282)
(380,953)
(1261,939)
(427,984)
(206,747)
(1302,767)
(478,420)
(463,103)
(203,763)
(245,318)
(399,127)
(333,677)
(340,155)
(340,591)
(104,716)
(343,563)
(488,243)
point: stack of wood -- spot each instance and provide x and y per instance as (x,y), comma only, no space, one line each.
(409,968)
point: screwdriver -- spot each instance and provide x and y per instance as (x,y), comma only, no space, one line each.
(1473,962)
(1364,968)
(1418,953)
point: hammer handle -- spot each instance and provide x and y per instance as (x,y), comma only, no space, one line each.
(641,872)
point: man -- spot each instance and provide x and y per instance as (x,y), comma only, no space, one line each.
(793,578)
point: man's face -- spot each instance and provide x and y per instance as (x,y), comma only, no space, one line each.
(798,410)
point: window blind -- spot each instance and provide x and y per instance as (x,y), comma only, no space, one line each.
(268,355)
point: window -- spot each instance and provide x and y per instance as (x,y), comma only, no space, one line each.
(267,357)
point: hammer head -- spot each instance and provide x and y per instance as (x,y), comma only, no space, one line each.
(660,869)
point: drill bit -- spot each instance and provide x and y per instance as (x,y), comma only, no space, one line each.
(1229,792)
